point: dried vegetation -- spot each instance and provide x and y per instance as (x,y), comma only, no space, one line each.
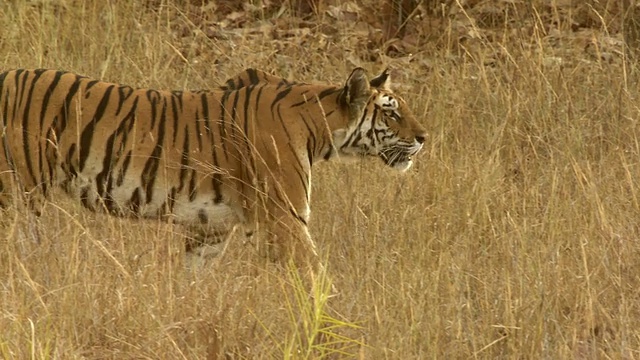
(515,235)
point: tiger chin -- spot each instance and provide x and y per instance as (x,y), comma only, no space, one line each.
(237,155)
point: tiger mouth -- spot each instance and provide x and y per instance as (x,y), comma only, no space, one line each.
(397,158)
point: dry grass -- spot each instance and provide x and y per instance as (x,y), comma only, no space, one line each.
(515,235)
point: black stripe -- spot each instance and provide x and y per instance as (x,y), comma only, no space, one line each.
(284,83)
(184,159)
(171,201)
(303,177)
(87,133)
(150,172)
(124,92)
(153,96)
(179,95)
(319,97)
(300,103)
(175,115)
(2,77)
(356,136)
(135,200)
(217,186)
(90,84)
(47,96)
(229,85)
(69,159)
(3,119)
(341,99)
(66,105)
(205,115)
(26,120)
(124,168)
(176,108)
(4,94)
(251,115)
(234,112)
(295,214)
(247,119)
(281,95)
(19,90)
(311,147)
(327,156)
(216,180)
(50,148)
(253,76)
(198,129)
(328,92)
(192,186)
(223,129)
(306,124)
(257,103)
(284,126)
(104,180)
(247,103)
(310,151)
(5,108)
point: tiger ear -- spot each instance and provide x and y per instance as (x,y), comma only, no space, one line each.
(382,81)
(356,90)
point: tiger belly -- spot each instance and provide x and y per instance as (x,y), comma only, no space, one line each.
(129,199)
(204,212)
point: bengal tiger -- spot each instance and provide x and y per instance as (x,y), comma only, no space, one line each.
(237,154)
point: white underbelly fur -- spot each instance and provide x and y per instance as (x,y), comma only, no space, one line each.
(201,211)
(217,215)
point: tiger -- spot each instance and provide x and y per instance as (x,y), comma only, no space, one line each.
(237,154)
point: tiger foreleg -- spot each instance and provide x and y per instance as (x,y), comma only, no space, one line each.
(287,240)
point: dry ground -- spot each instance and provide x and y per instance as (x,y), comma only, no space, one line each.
(515,235)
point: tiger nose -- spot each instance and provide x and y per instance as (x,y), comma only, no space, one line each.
(421,138)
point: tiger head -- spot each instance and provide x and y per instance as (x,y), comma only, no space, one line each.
(380,122)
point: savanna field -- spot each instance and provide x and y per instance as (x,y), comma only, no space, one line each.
(514,236)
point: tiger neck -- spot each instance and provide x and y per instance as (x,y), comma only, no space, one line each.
(323,115)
